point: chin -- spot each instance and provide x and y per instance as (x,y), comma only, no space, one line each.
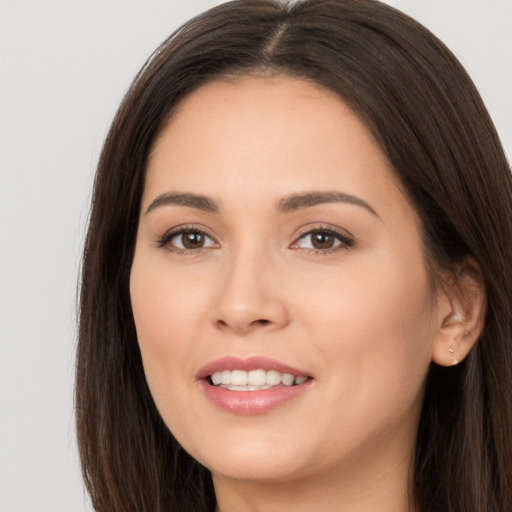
(258,460)
(258,470)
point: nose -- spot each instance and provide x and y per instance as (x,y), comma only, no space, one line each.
(251,296)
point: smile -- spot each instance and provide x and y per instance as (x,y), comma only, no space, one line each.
(254,380)
(251,386)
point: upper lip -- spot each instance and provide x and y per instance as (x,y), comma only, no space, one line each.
(247,364)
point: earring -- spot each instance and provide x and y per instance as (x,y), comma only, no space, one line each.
(454,359)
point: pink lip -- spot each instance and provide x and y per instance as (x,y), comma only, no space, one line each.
(250,402)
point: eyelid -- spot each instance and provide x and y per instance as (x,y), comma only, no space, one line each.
(164,240)
(347,239)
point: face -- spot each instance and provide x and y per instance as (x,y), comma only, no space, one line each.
(279,286)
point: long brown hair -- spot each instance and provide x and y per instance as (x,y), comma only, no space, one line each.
(431,123)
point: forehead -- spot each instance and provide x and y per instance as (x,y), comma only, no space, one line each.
(266,137)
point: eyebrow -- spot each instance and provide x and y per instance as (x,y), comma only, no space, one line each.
(308,199)
(184,199)
(288,204)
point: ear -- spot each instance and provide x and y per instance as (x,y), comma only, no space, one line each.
(462,305)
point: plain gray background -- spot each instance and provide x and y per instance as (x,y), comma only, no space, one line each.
(64,66)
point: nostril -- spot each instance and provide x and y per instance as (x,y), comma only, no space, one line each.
(261,322)
(243,325)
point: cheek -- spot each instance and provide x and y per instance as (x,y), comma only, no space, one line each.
(372,331)
(165,320)
(368,297)
(165,304)
(166,308)
(373,325)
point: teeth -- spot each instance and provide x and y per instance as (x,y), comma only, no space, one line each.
(273,378)
(287,379)
(257,377)
(239,380)
(231,387)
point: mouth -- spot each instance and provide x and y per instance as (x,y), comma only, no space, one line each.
(254,380)
(251,386)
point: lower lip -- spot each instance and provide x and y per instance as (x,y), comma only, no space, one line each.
(252,402)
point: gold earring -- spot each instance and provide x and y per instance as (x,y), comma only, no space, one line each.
(454,359)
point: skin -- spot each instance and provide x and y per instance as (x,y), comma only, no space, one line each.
(363,320)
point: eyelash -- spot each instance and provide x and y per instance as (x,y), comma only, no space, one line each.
(345,239)
(164,241)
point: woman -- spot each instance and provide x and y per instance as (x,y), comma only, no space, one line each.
(296,281)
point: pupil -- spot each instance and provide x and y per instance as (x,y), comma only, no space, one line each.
(322,240)
(193,240)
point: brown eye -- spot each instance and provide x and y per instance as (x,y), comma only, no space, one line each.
(187,239)
(323,240)
(192,239)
